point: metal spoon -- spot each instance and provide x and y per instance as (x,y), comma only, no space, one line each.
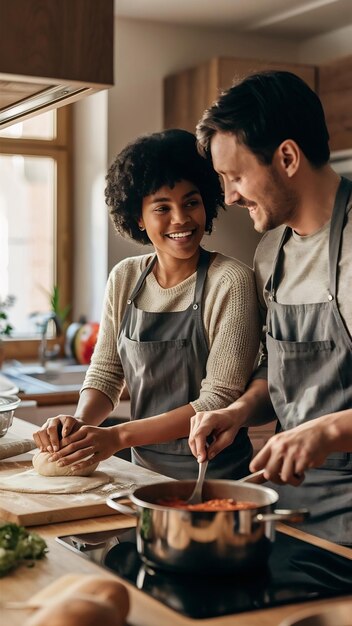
(256,478)
(196,495)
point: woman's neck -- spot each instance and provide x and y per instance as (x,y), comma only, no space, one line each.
(170,272)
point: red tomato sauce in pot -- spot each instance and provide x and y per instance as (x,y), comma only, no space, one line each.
(218,504)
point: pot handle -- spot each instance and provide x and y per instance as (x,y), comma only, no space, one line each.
(112,501)
(284,515)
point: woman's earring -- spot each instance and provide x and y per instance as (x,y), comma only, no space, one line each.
(141,228)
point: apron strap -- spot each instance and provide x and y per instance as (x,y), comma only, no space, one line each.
(338,220)
(135,291)
(274,277)
(202,270)
(141,279)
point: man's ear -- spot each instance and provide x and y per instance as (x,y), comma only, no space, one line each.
(288,157)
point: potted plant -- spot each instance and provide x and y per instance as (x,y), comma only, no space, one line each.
(5,326)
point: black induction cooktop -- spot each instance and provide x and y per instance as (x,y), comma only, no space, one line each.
(296,572)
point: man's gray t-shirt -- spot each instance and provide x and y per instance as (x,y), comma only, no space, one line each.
(305,273)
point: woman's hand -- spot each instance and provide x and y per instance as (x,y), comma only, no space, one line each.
(223,425)
(86,446)
(219,425)
(49,437)
(287,455)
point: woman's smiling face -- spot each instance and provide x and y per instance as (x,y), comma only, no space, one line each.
(174,219)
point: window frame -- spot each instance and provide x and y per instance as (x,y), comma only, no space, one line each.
(59,149)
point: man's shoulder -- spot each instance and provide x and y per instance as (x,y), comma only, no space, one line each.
(271,237)
(268,245)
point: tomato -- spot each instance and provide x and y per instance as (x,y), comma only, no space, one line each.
(85,341)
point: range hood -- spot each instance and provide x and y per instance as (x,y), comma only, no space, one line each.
(52,52)
(47,98)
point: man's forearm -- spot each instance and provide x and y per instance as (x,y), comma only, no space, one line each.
(338,428)
(255,404)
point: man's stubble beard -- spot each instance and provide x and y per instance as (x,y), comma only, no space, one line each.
(283,206)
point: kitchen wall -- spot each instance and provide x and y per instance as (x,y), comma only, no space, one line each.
(90,219)
(146,52)
(326,47)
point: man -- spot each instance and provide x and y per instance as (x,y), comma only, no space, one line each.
(268,141)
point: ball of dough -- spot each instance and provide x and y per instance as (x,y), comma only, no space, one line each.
(43,467)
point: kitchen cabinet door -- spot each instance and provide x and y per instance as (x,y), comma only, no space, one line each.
(52,53)
(335,91)
(189,92)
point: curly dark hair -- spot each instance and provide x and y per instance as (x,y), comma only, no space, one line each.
(147,164)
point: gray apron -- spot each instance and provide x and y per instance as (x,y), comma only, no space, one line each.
(309,375)
(164,357)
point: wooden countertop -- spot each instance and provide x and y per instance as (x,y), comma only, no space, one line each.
(21,584)
(51,398)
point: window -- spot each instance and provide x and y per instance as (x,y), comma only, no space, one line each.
(35,221)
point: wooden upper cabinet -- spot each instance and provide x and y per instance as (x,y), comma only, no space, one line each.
(335,91)
(53,52)
(189,92)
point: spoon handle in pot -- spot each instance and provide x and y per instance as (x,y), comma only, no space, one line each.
(196,495)
(256,477)
(284,515)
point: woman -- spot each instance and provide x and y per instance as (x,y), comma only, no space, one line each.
(180,326)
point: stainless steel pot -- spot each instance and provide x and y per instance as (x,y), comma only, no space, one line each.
(198,541)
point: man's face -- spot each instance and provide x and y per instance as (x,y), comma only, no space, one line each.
(263,189)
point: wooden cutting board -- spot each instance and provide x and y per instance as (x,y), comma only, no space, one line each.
(30,509)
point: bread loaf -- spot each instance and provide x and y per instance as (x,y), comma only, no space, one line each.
(91,601)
